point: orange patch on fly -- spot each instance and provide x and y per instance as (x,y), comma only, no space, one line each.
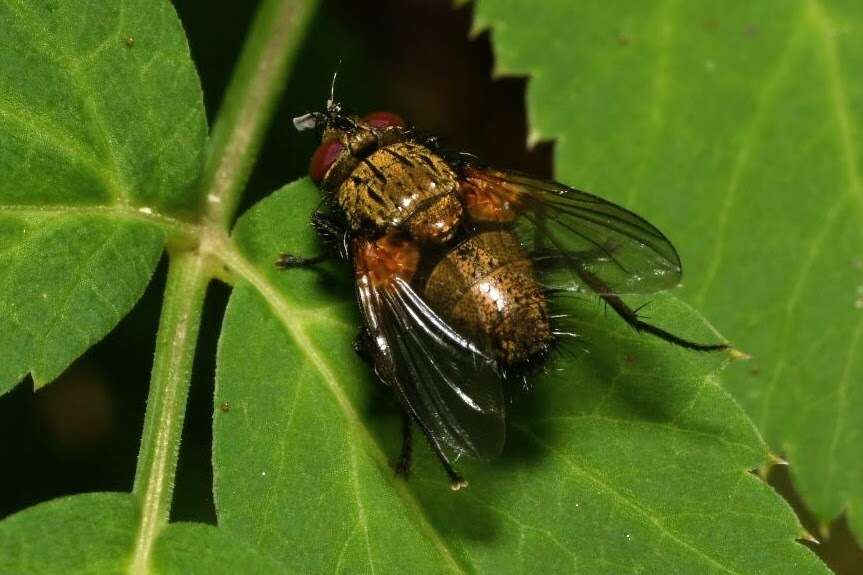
(388,257)
(489,200)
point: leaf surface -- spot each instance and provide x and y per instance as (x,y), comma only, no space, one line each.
(192,548)
(102,134)
(80,534)
(737,131)
(627,458)
(94,534)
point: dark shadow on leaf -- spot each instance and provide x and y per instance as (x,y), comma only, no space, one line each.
(333,280)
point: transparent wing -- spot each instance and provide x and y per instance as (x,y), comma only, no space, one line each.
(566,229)
(453,390)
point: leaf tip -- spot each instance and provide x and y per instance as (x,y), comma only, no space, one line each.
(804,535)
(39,381)
(534,137)
(738,355)
(777,459)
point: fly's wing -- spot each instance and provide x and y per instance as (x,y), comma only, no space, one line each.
(452,389)
(568,230)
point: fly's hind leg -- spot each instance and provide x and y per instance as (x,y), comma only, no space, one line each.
(631,316)
(333,235)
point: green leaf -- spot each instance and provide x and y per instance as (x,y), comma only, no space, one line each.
(94,534)
(626,458)
(190,548)
(80,534)
(737,130)
(65,281)
(101,105)
(103,131)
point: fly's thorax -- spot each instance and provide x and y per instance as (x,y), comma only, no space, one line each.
(402,185)
(486,288)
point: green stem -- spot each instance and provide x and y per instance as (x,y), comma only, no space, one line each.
(239,130)
(188,276)
(249,103)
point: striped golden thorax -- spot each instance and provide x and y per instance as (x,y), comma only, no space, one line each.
(381,179)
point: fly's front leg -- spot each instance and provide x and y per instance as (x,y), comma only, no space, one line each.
(287,261)
(332,233)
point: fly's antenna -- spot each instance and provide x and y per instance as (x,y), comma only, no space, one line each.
(332,106)
(331,102)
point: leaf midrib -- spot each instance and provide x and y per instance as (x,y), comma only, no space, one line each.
(766,96)
(116,211)
(837,90)
(819,20)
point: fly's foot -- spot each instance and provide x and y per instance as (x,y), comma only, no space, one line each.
(458,482)
(287,261)
(403,466)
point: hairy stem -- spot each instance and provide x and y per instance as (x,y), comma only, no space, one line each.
(188,275)
(239,130)
(249,103)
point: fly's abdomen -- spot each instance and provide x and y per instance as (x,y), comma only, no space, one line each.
(406,186)
(486,289)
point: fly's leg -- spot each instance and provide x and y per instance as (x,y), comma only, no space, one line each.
(363,346)
(333,235)
(405,460)
(456,481)
(287,261)
(631,316)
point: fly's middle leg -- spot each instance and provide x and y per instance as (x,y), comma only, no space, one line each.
(405,460)
(456,481)
(364,347)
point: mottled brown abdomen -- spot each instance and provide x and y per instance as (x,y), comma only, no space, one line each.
(486,289)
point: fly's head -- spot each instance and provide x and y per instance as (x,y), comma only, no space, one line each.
(345,138)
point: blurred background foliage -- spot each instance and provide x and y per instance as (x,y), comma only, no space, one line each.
(417,58)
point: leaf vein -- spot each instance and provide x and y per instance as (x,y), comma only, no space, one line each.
(768,93)
(627,502)
(54,52)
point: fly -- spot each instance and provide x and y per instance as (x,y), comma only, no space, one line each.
(456,264)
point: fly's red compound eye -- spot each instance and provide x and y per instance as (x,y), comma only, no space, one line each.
(323,158)
(382,120)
